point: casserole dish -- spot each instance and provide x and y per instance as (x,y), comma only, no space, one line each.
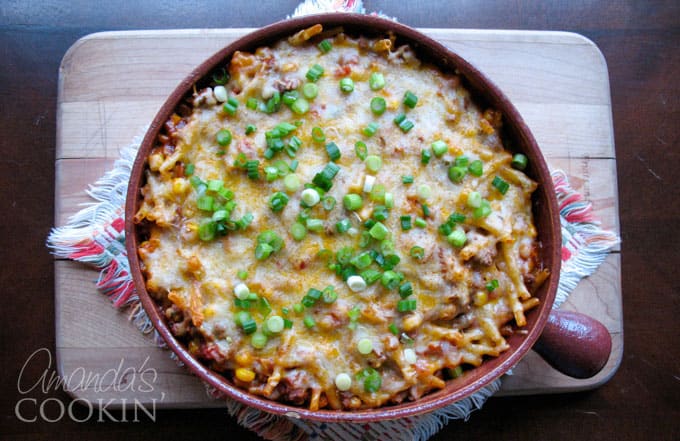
(517,135)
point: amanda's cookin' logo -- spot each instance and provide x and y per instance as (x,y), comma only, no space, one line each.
(135,381)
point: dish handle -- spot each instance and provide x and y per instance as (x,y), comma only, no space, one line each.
(574,344)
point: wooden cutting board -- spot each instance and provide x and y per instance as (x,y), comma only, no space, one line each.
(112,84)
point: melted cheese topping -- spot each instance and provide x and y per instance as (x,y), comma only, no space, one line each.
(458,318)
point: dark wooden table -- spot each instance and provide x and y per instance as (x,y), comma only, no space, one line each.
(641,43)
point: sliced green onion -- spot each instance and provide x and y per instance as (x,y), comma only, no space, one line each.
(378,193)
(245,221)
(439,147)
(424,192)
(291,183)
(362,261)
(461,161)
(354,313)
(329,294)
(370,129)
(241,291)
(400,118)
(405,290)
(248,324)
(376,81)
(356,283)
(474,199)
(205,203)
(258,340)
(251,103)
(499,184)
(393,329)
(250,128)
(293,165)
(483,210)
(390,279)
(343,226)
(378,231)
(230,106)
(264,306)
(252,168)
(361,150)
(457,238)
(492,285)
(352,202)
(328,203)
(372,380)
(365,239)
(273,104)
(315,225)
(289,97)
(426,210)
(309,321)
(263,250)
(417,252)
(371,276)
(410,99)
(380,213)
(223,137)
(425,157)
(325,46)
(333,151)
(318,135)
(406,125)
(406,305)
(365,346)
(298,231)
(314,73)
(347,85)
(242,274)
(389,200)
(519,161)
(343,382)
(310,197)
(189,169)
(310,91)
(275,324)
(221,76)
(373,163)
(405,222)
(300,106)
(457,173)
(378,105)
(278,201)
(476,168)
(420,222)
(408,179)
(271,173)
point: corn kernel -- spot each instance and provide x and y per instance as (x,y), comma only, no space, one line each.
(481,298)
(244,374)
(244,358)
(180,186)
(208,312)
